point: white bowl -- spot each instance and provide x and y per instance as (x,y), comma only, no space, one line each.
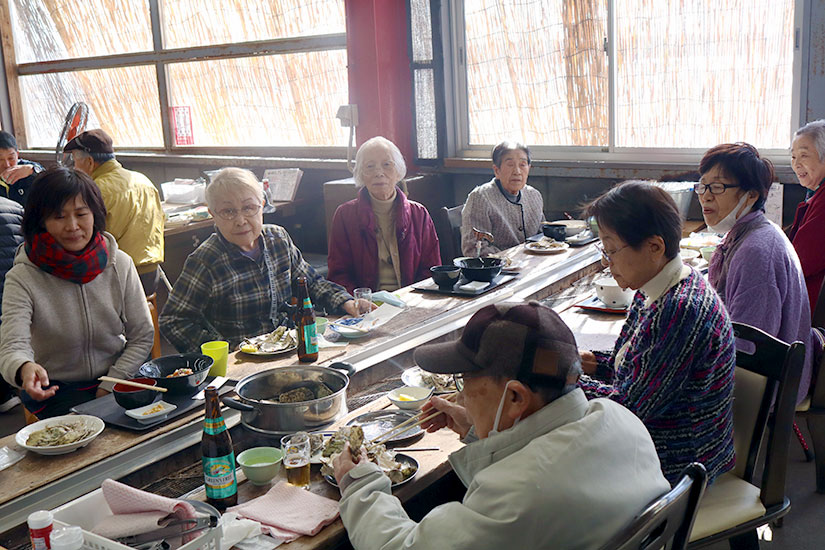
(92,422)
(688,255)
(609,292)
(572,227)
(409,397)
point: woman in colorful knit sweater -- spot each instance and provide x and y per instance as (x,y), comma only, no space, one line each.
(673,362)
(755,269)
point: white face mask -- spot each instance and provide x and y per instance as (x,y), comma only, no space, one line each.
(500,409)
(726,224)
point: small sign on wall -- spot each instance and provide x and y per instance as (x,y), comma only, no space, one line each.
(182,125)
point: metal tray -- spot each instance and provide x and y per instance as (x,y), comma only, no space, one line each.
(399,457)
(113,414)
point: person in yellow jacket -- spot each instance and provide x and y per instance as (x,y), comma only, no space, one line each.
(134,214)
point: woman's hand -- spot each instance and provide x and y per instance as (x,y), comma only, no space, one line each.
(589,363)
(35,380)
(455,416)
(345,462)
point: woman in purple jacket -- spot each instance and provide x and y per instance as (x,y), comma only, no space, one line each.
(755,269)
(381,240)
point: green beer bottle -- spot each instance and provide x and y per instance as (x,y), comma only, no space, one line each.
(218,456)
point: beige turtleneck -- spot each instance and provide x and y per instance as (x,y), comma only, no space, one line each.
(389,265)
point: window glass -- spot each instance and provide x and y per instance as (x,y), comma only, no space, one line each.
(536,70)
(122,101)
(275,100)
(203,22)
(422,35)
(426,132)
(694,74)
(45,30)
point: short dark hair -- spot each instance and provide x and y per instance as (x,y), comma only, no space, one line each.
(637,210)
(7,141)
(507,146)
(742,162)
(50,191)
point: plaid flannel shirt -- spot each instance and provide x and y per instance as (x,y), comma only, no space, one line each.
(222,294)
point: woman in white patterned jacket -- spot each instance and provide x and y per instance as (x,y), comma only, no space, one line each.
(506,206)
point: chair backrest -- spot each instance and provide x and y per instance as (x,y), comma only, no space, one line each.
(666,521)
(765,379)
(818,314)
(447,223)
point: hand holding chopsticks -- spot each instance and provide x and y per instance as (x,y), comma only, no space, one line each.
(130,383)
(412,423)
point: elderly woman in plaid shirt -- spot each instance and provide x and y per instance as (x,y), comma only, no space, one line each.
(233,285)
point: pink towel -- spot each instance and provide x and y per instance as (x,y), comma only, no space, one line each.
(137,511)
(289,512)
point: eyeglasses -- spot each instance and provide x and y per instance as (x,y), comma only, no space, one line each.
(606,256)
(458,379)
(714,188)
(247,211)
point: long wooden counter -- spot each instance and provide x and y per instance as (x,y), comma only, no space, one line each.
(39,482)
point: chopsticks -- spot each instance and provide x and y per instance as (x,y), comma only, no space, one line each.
(410,424)
(130,383)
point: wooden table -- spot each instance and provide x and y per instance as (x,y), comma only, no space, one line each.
(38,482)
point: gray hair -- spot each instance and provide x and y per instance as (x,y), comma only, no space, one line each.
(232,180)
(816,130)
(378,141)
(99,158)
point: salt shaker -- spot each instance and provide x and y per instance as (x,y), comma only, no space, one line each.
(40,529)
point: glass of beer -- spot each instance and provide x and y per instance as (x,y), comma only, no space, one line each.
(296,459)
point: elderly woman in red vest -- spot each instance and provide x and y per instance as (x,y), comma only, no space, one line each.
(381,240)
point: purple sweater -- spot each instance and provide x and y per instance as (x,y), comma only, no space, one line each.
(765,288)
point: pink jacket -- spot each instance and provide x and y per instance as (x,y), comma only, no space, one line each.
(353,248)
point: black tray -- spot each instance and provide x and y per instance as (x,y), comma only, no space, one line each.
(573,243)
(429,285)
(110,412)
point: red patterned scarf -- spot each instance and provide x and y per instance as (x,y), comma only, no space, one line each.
(80,268)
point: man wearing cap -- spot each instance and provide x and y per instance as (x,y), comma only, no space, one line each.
(16,174)
(543,466)
(133,211)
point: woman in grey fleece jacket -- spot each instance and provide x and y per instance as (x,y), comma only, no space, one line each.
(73,306)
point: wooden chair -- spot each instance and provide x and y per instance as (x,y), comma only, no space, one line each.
(737,502)
(813,407)
(447,223)
(667,521)
(153,310)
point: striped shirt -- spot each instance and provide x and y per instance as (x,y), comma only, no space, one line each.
(223,294)
(676,375)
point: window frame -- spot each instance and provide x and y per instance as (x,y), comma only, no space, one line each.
(159,57)
(454,40)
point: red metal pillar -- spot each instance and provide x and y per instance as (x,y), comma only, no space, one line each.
(378,61)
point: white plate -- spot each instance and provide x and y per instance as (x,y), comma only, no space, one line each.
(91,422)
(138,414)
(256,341)
(413,377)
(536,248)
(341,326)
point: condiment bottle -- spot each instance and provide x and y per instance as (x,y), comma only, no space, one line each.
(218,457)
(40,529)
(67,538)
(307,338)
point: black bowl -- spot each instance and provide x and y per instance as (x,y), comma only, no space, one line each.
(557,232)
(445,276)
(160,368)
(130,397)
(480,269)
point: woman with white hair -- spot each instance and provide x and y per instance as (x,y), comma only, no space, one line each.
(808,163)
(381,240)
(234,284)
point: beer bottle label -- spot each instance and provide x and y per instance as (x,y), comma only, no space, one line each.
(310,338)
(213,426)
(307,303)
(219,476)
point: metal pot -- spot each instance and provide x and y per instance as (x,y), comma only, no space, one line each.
(262,413)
